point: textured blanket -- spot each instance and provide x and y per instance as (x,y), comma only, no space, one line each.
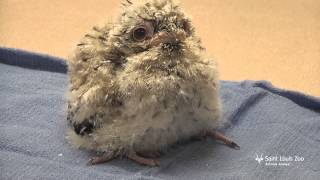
(278,131)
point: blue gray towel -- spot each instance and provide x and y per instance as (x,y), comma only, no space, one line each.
(278,131)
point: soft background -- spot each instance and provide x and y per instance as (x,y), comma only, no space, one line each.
(275,40)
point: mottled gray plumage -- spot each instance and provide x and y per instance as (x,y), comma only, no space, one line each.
(141,84)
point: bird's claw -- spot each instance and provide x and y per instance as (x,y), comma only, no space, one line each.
(105,157)
(219,136)
(144,161)
(234,145)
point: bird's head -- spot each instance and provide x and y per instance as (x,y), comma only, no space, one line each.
(156,30)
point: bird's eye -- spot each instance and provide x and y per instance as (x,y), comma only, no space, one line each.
(139,33)
(143,31)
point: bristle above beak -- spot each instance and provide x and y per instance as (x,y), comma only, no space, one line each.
(168,37)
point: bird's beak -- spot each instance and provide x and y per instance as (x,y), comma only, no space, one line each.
(167,37)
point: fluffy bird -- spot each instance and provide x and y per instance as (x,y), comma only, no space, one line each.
(142,84)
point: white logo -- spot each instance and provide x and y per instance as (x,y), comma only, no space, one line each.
(278,160)
(259,158)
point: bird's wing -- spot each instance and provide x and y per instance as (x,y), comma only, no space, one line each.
(92,89)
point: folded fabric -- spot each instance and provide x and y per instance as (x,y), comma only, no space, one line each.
(278,131)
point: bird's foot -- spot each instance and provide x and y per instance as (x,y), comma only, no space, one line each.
(105,157)
(219,136)
(141,160)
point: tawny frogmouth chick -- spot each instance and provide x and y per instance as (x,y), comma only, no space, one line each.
(142,84)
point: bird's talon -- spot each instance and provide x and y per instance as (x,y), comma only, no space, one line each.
(219,136)
(234,146)
(144,161)
(105,157)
